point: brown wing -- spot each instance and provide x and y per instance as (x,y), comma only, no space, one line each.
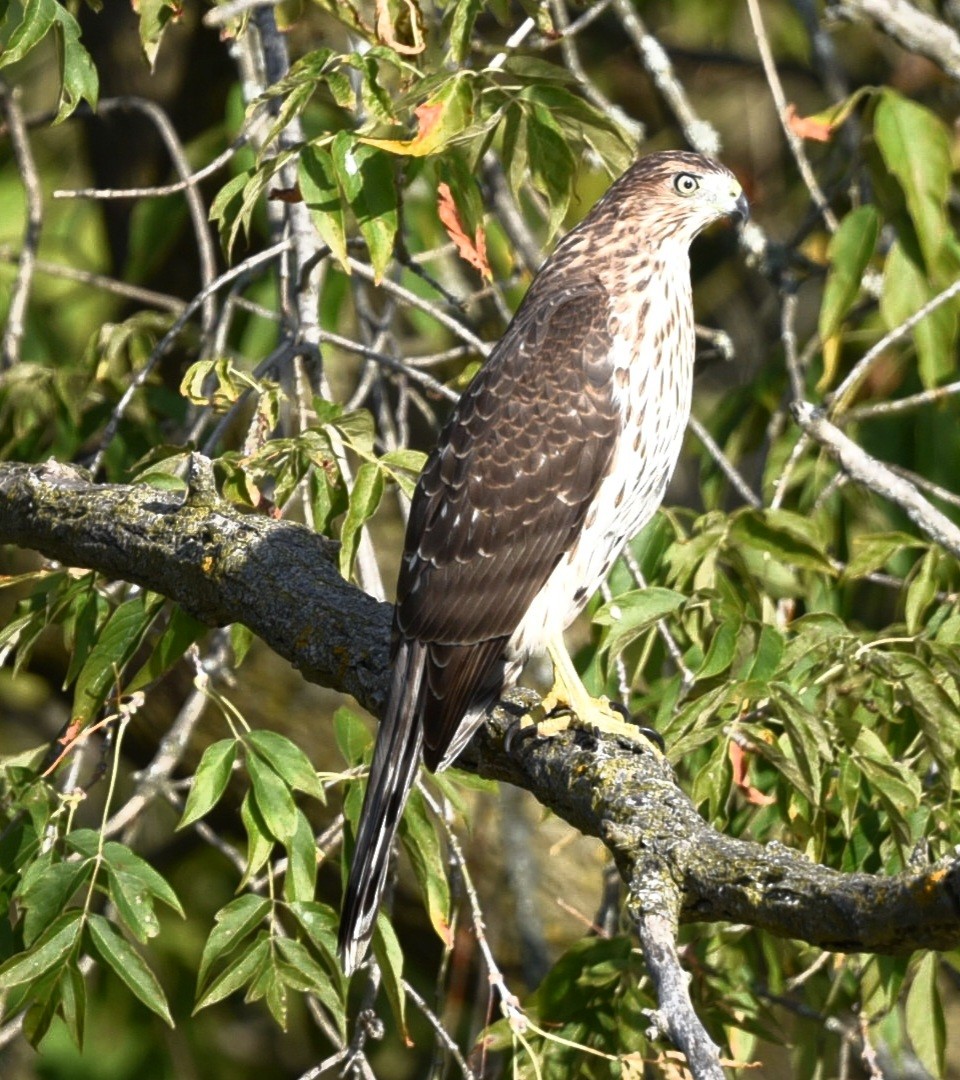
(504,494)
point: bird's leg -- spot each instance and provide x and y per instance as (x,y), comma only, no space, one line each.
(579,709)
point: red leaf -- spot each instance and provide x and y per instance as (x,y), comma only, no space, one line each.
(428,116)
(739,760)
(473,251)
(808,127)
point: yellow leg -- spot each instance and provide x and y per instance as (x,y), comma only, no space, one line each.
(594,714)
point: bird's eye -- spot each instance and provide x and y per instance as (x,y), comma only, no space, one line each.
(685,183)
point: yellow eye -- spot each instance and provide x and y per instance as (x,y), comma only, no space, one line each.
(685,183)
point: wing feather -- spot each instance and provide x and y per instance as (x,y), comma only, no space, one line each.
(503,496)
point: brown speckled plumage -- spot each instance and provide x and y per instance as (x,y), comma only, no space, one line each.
(558,453)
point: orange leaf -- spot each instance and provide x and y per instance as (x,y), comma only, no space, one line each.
(472,251)
(428,116)
(807,127)
(738,759)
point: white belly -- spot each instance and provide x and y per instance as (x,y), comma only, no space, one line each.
(654,397)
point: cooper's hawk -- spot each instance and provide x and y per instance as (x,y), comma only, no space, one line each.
(556,455)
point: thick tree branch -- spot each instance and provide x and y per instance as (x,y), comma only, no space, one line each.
(281,580)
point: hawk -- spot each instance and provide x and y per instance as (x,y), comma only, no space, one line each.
(558,453)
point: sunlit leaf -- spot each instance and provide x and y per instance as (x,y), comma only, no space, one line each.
(127,963)
(209,781)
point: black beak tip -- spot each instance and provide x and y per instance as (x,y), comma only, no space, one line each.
(742,209)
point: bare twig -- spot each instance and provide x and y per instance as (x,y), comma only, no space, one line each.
(676,1017)
(699,133)
(148,297)
(793,140)
(571,58)
(846,389)
(726,466)
(20,294)
(157,190)
(898,405)
(453,325)
(254,262)
(876,476)
(442,1034)
(916,30)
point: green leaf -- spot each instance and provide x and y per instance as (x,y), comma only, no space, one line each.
(119,857)
(45,889)
(239,973)
(259,840)
(273,799)
(766,659)
(465,14)
(921,592)
(134,905)
(288,761)
(364,500)
(36,19)
(551,164)
(319,922)
(874,551)
(722,650)
(321,193)
(389,956)
(850,251)
(181,631)
(303,973)
(241,638)
(915,146)
(117,643)
(154,17)
(419,834)
(78,76)
(300,880)
(129,966)
(210,780)
(73,1002)
(781,535)
(906,288)
(365,175)
(52,948)
(234,922)
(926,1027)
(634,612)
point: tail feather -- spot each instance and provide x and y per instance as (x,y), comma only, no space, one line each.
(393,770)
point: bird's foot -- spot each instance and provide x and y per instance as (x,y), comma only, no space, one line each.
(597,715)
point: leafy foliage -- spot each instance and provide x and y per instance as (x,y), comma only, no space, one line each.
(798,655)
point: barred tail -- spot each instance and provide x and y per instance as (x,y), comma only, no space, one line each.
(393,770)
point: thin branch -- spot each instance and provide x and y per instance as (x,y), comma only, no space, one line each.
(157,190)
(876,476)
(675,1017)
(571,60)
(898,405)
(248,265)
(195,207)
(147,297)
(453,325)
(441,1032)
(726,466)
(20,293)
(916,30)
(699,133)
(779,97)
(846,389)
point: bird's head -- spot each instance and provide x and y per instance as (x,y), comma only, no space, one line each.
(674,195)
